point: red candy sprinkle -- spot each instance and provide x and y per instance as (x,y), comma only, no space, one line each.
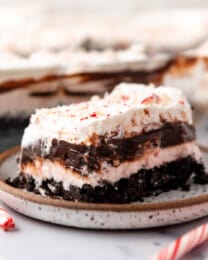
(93,114)
(181,102)
(125,98)
(6,221)
(83,118)
(152,98)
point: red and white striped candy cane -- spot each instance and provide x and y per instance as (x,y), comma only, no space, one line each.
(6,221)
(184,244)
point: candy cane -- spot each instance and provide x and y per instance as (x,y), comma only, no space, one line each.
(6,221)
(184,244)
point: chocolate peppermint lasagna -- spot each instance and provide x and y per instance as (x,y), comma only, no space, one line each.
(47,78)
(137,140)
(42,70)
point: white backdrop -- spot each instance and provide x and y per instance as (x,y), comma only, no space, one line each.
(112,6)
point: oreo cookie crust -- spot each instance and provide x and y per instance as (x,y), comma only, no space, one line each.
(144,183)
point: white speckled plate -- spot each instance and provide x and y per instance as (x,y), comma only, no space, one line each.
(166,209)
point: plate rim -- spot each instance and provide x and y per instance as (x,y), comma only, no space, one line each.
(129,207)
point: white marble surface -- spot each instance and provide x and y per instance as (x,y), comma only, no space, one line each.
(33,239)
(115,6)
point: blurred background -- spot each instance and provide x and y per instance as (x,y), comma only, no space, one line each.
(33,27)
(111,6)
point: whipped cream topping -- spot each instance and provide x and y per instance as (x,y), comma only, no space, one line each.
(129,109)
(42,53)
(133,58)
(174,30)
(46,169)
(69,62)
(13,67)
(199,51)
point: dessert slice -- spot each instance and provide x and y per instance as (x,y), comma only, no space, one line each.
(136,140)
(189,73)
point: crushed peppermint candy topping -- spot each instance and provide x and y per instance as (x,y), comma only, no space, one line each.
(123,98)
(83,118)
(146,105)
(93,114)
(153,99)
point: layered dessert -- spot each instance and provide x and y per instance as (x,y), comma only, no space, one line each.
(36,82)
(46,79)
(189,72)
(43,70)
(186,38)
(135,141)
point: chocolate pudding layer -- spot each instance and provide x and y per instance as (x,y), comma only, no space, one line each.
(112,150)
